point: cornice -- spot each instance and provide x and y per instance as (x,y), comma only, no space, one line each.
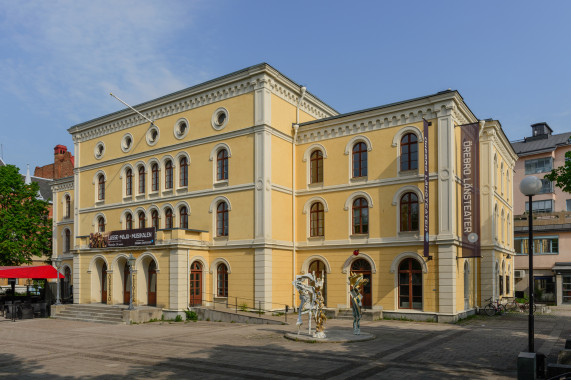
(62,186)
(374,119)
(492,132)
(236,84)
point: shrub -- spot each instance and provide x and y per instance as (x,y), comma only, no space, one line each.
(178,318)
(191,315)
(243,307)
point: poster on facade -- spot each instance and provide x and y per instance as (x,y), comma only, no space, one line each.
(129,238)
(470,169)
(426,195)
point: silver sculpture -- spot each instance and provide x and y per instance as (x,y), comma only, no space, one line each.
(356,282)
(311,302)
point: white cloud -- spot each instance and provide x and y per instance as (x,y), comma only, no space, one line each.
(65,55)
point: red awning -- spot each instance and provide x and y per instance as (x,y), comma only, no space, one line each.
(44,271)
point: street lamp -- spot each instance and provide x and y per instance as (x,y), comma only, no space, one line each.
(131,262)
(530,186)
(58,261)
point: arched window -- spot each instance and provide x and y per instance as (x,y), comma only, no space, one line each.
(360,216)
(67,206)
(222,165)
(141,219)
(409,212)
(410,284)
(129,182)
(359,160)
(101,187)
(183,164)
(183,217)
(168,175)
(409,152)
(316,166)
(101,224)
(67,241)
(155,219)
(502,177)
(128,221)
(155,177)
(316,220)
(168,218)
(222,219)
(503,278)
(141,179)
(508,281)
(318,267)
(222,280)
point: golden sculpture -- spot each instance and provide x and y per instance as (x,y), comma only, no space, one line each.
(356,282)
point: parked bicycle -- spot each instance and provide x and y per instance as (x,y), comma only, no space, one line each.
(494,308)
(520,306)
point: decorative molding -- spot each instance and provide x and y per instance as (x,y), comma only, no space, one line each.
(361,255)
(406,255)
(407,189)
(405,130)
(310,259)
(312,200)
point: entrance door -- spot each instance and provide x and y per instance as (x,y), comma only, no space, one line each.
(152,285)
(104,283)
(566,282)
(410,284)
(196,284)
(126,285)
(363,267)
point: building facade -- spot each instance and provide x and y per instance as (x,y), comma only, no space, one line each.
(250,180)
(538,154)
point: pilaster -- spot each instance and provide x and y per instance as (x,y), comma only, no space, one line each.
(263,277)
(447,277)
(76,274)
(263,195)
(446,174)
(178,284)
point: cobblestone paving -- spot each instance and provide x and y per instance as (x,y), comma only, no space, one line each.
(478,348)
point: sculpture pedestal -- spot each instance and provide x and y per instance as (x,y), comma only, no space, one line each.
(332,336)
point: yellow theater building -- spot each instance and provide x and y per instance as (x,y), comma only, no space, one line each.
(248,180)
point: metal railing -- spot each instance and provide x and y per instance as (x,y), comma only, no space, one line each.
(243,304)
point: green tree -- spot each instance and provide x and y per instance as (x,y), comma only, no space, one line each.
(562,174)
(25,226)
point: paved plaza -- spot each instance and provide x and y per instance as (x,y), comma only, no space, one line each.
(478,348)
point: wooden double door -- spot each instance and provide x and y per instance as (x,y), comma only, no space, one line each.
(196,284)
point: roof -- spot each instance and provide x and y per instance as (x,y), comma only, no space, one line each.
(536,146)
(45,187)
(2,163)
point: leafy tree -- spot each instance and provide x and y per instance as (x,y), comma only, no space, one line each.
(562,174)
(25,226)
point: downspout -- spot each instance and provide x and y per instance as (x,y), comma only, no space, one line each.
(302,89)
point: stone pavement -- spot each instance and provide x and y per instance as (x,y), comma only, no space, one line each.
(478,348)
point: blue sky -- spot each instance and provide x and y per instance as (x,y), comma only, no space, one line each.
(510,60)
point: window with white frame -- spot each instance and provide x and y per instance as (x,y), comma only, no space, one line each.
(538,165)
(540,206)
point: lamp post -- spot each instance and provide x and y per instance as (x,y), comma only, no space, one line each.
(58,261)
(530,186)
(131,261)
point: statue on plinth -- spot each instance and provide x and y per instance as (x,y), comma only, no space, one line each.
(311,303)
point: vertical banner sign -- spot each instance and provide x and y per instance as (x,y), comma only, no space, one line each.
(426,197)
(470,190)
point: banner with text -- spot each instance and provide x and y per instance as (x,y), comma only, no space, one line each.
(470,168)
(129,238)
(426,195)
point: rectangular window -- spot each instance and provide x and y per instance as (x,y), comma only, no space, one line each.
(539,165)
(541,245)
(568,203)
(540,206)
(546,186)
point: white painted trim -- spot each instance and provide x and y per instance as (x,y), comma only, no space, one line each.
(357,194)
(405,255)
(347,264)
(407,189)
(96,178)
(130,147)
(94,259)
(123,217)
(356,139)
(313,148)
(217,200)
(403,131)
(175,128)
(310,259)
(213,119)
(94,222)
(141,258)
(312,200)
(215,263)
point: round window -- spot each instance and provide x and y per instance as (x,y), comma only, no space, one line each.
(220,118)
(181,128)
(99,150)
(153,135)
(127,142)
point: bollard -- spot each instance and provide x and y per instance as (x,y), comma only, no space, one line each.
(287,309)
(236,305)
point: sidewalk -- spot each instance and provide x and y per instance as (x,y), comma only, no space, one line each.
(478,348)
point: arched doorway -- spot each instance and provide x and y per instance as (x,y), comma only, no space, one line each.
(127,284)
(363,267)
(318,267)
(152,284)
(196,284)
(104,283)
(410,284)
